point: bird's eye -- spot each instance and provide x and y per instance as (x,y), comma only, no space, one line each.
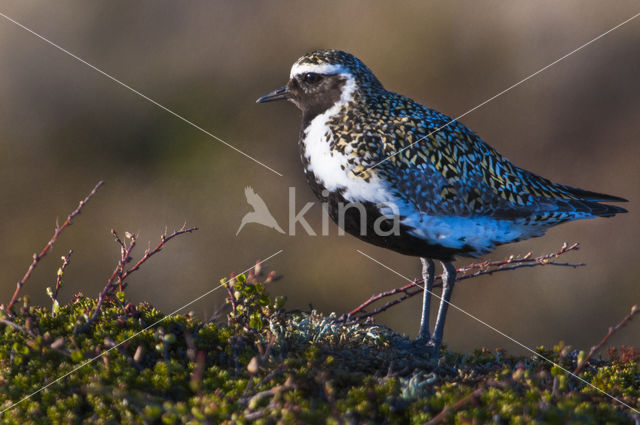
(312,78)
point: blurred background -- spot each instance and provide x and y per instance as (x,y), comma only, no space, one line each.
(63,127)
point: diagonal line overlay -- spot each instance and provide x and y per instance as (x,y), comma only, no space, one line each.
(114,79)
(279,174)
(577,49)
(92,359)
(505,335)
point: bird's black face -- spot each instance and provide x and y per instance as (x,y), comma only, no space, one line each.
(312,92)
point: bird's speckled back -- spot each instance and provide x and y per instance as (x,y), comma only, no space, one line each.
(437,164)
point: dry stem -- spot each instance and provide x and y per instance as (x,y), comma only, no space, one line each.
(474,395)
(117,278)
(65,263)
(612,330)
(440,417)
(483,268)
(56,233)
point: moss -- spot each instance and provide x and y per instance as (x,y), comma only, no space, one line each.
(269,366)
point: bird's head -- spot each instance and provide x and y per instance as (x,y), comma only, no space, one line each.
(320,79)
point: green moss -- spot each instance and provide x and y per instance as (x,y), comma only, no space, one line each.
(268,366)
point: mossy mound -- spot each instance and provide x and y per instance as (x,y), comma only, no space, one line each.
(264,365)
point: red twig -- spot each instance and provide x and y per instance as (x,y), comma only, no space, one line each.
(65,263)
(163,239)
(440,417)
(635,309)
(525,261)
(483,268)
(403,289)
(17,326)
(227,285)
(125,256)
(54,238)
(117,272)
(117,278)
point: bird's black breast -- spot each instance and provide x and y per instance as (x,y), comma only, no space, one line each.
(365,221)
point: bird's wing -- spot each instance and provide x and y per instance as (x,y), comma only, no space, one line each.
(445,168)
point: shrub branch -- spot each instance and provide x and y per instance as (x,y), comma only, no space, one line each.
(440,417)
(37,257)
(60,274)
(466,272)
(117,278)
(612,330)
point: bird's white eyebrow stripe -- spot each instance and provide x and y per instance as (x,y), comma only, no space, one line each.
(324,68)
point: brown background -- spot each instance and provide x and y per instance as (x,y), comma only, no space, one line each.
(63,127)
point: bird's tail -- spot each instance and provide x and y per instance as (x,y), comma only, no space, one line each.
(591,202)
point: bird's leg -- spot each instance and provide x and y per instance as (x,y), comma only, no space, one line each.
(428,271)
(448,280)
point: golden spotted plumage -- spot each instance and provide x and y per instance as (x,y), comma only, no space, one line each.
(401,141)
(452,193)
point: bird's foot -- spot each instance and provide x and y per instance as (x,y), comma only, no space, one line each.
(427,345)
(421,340)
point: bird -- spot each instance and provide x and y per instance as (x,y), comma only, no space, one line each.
(260,213)
(450,193)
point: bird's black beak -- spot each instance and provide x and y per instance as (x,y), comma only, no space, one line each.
(281,93)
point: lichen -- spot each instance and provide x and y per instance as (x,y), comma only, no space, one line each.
(265,365)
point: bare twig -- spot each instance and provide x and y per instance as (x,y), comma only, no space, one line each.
(17,326)
(288,384)
(110,343)
(440,417)
(227,285)
(117,274)
(513,263)
(217,313)
(403,289)
(125,257)
(54,238)
(581,364)
(65,263)
(465,272)
(163,239)
(474,395)
(117,278)
(279,370)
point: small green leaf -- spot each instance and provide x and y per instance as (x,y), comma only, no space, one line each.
(280,301)
(77,356)
(255,321)
(120,296)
